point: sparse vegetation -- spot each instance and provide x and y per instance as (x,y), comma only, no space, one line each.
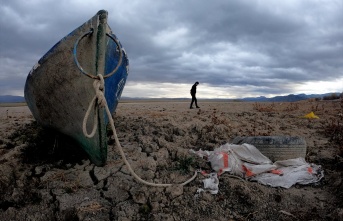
(184,164)
(333,96)
(145,209)
(333,129)
(292,107)
(264,107)
(218,120)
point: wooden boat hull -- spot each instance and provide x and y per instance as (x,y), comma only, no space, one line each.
(58,91)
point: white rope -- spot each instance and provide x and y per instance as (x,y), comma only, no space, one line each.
(99,90)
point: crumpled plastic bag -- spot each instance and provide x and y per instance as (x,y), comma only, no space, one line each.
(293,171)
(243,160)
(211,184)
(248,162)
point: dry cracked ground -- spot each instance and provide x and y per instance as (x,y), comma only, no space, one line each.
(46,176)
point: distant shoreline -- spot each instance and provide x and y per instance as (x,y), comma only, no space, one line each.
(8,99)
(168,100)
(13,104)
(175,100)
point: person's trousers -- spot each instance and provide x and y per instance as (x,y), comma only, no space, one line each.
(194,99)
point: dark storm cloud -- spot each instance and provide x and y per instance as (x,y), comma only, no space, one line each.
(267,46)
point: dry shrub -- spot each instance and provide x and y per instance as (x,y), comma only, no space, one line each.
(332,96)
(156,114)
(218,120)
(292,107)
(264,108)
(333,129)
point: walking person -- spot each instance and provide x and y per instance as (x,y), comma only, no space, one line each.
(193,92)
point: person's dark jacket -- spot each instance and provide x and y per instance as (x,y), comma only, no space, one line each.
(194,89)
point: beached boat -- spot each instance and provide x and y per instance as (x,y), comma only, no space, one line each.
(59,88)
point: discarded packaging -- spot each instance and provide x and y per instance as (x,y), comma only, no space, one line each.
(212,183)
(311,116)
(248,162)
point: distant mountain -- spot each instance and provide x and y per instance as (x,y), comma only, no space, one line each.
(287,98)
(11,99)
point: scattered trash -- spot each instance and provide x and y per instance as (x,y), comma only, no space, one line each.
(197,194)
(293,171)
(211,184)
(248,162)
(311,116)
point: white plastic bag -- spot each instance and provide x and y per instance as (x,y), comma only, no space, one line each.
(242,160)
(212,183)
(248,162)
(293,171)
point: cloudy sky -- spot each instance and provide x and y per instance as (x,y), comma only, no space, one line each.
(235,49)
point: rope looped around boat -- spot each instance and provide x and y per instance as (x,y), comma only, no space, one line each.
(118,49)
(99,88)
